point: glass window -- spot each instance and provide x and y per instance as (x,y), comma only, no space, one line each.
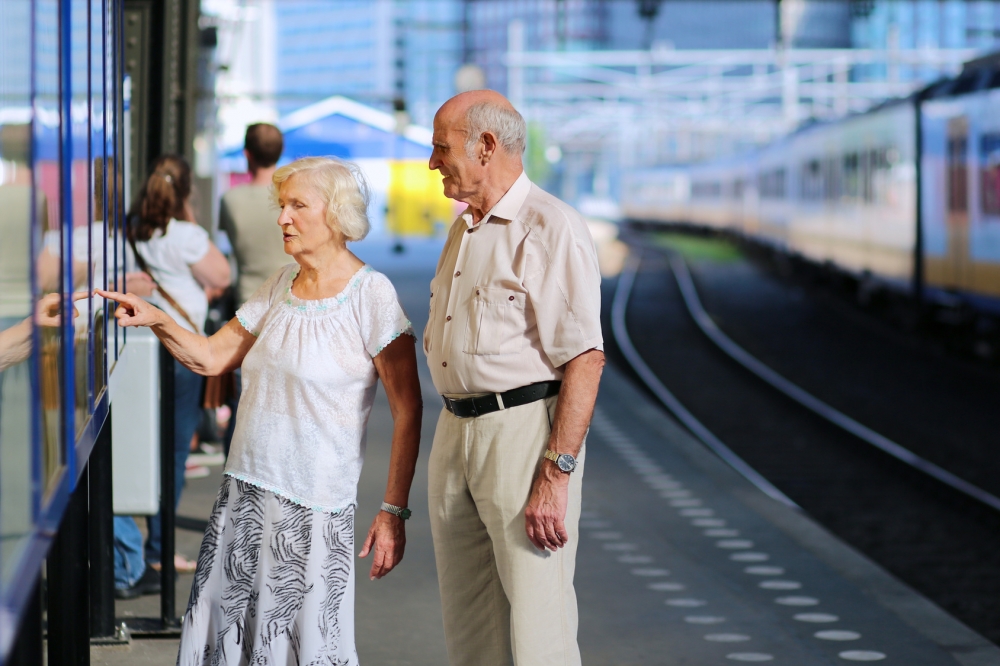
(16,208)
(989,175)
(48,241)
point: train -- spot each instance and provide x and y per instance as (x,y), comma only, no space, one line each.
(904,197)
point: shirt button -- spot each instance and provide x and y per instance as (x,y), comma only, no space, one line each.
(448,318)
(444,364)
(469,231)
(477,292)
(457,273)
(511,298)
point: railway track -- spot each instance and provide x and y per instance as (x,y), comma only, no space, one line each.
(930,527)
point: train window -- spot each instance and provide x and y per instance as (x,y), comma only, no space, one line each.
(989,175)
(832,188)
(16,210)
(771,184)
(850,176)
(958,183)
(812,180)
(706,189)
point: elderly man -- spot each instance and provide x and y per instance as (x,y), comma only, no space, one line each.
(515,349)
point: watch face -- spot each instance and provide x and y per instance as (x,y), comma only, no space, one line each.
(566,463)
(404,514)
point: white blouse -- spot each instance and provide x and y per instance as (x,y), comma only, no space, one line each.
(309,385)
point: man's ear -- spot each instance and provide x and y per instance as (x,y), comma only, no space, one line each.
(489,146)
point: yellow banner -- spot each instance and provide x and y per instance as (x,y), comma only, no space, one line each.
(416,202)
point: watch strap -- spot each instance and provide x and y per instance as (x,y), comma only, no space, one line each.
(398,511)
(552,455)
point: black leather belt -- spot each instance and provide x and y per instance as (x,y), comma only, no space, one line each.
(463,408)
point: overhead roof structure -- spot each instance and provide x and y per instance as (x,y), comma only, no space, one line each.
(340,127)
(631,103)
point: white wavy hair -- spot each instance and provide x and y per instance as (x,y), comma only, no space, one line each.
(504,121)
(343,188)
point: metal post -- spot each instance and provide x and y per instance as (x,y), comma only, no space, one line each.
(69,584)
(27,649)
(168,596)
(102,534)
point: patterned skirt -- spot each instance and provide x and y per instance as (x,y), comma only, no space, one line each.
(274,585)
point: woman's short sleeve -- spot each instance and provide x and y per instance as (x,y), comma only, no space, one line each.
(193,242)
(380,315)
(253,313)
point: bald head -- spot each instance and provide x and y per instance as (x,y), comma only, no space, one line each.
(481,111)
(478,140)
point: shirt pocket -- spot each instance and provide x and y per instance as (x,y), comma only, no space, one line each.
(497,323)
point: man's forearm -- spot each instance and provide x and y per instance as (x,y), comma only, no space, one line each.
(575,406)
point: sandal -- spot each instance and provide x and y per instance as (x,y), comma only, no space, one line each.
(181,564)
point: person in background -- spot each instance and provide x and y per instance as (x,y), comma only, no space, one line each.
(247,215)
(185,264)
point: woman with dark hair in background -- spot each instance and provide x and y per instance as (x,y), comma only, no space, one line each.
(188,269)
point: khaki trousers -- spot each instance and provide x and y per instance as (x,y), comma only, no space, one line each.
(503,599)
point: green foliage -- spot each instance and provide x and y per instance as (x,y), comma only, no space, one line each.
(697,247)
(535,164)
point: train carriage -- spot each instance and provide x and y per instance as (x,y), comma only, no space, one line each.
(906,195)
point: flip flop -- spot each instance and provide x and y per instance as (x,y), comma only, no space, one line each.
(181,564)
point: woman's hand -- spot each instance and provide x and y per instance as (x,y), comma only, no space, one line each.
(132,310)
(387,537)
(48,309)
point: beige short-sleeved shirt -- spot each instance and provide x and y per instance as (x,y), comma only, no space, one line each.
(249,218)
(514,297)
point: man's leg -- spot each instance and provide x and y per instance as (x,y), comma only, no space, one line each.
(504,455)
(475,609)
(129,565)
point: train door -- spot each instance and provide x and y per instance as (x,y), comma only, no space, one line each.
(957,270)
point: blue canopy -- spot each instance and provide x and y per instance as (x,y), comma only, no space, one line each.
(344,128)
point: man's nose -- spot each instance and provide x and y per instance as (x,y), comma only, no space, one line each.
(434,162)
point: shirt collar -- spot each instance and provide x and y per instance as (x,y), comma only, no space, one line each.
(510,203)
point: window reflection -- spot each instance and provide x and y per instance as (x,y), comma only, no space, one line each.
(15,286)
(48,239)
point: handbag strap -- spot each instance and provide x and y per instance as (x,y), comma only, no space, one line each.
(144,267)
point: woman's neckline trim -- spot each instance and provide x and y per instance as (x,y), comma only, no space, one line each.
(321,304)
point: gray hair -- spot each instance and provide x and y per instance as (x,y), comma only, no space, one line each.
(503,121)
(342,186)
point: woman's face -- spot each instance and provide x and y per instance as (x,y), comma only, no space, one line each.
(303,218)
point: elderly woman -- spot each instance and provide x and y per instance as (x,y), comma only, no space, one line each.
(275,577)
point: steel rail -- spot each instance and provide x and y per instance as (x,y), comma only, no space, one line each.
(811,402)
(623,291)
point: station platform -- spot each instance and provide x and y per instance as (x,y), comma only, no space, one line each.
(681,561)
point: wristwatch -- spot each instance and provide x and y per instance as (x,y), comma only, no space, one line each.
(564,461)
(399,511)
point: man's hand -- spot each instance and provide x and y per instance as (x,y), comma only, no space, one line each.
(545,515)
(132,310)
(387,537)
